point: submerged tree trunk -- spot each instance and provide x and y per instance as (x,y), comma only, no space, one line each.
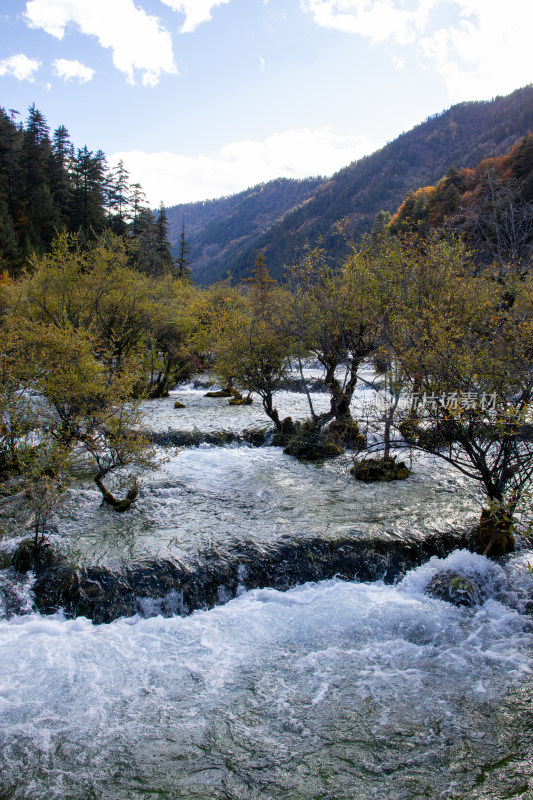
(159,387)
(341,396)
(110,499)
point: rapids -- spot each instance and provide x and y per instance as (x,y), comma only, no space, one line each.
(209,497)
(332,690)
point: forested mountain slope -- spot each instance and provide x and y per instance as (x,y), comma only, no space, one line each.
(490,205)
(461,136)
(218,229)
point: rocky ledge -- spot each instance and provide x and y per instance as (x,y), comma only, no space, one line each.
(169,587)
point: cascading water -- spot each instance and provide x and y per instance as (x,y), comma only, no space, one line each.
(330,690)
(208,497)
(334,690)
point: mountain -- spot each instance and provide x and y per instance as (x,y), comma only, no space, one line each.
(277,218)
(217,230)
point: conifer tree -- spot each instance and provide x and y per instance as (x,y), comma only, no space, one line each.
(89,192)
(119,198)
(60,180)
(182,262)
(162,242)
(35,216)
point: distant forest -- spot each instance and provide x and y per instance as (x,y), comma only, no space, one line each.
(48,186)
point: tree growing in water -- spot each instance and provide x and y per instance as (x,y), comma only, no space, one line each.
(467,359)
(64,342)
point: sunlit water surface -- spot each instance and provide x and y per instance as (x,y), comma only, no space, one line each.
(208,497)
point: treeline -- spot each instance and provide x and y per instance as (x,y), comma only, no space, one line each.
(48,186)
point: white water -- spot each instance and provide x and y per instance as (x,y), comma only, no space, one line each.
(213,497)
(331,690)
(209,414)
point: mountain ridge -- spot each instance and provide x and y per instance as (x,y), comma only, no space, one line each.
(460,136)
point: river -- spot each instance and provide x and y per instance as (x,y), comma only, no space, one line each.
(331,690)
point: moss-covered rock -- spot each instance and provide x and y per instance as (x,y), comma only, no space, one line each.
(122,505)
(313,451)
(102,594)
(228,391)
(241,401)
(287,430)
(219,393)
(308,443)
(23,557)
(346,432)
(454,588)
(384,469)
(179,404)
(27,556)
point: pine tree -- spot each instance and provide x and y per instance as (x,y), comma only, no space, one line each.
(61,183)
(146,239)
(119,198)
(89,192)
(138,198)
(163,244)
(182,262)
(36,217)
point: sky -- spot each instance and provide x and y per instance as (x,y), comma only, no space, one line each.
(204,98)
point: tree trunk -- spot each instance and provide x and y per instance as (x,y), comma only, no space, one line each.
(493,534)
(110,499)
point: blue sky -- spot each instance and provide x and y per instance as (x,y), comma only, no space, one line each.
(203,98)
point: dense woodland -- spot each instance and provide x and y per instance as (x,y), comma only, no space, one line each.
(462,137)
(48,186)
(438,297)
(491,204)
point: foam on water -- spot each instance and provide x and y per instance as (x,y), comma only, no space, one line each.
(359,690)
(333,690)
(15,593)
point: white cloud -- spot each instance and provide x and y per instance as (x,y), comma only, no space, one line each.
(379,20)
(487,53)
(175,178)
(196,11)
(484,51)
(137,40)
(72,70)
(20,67)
